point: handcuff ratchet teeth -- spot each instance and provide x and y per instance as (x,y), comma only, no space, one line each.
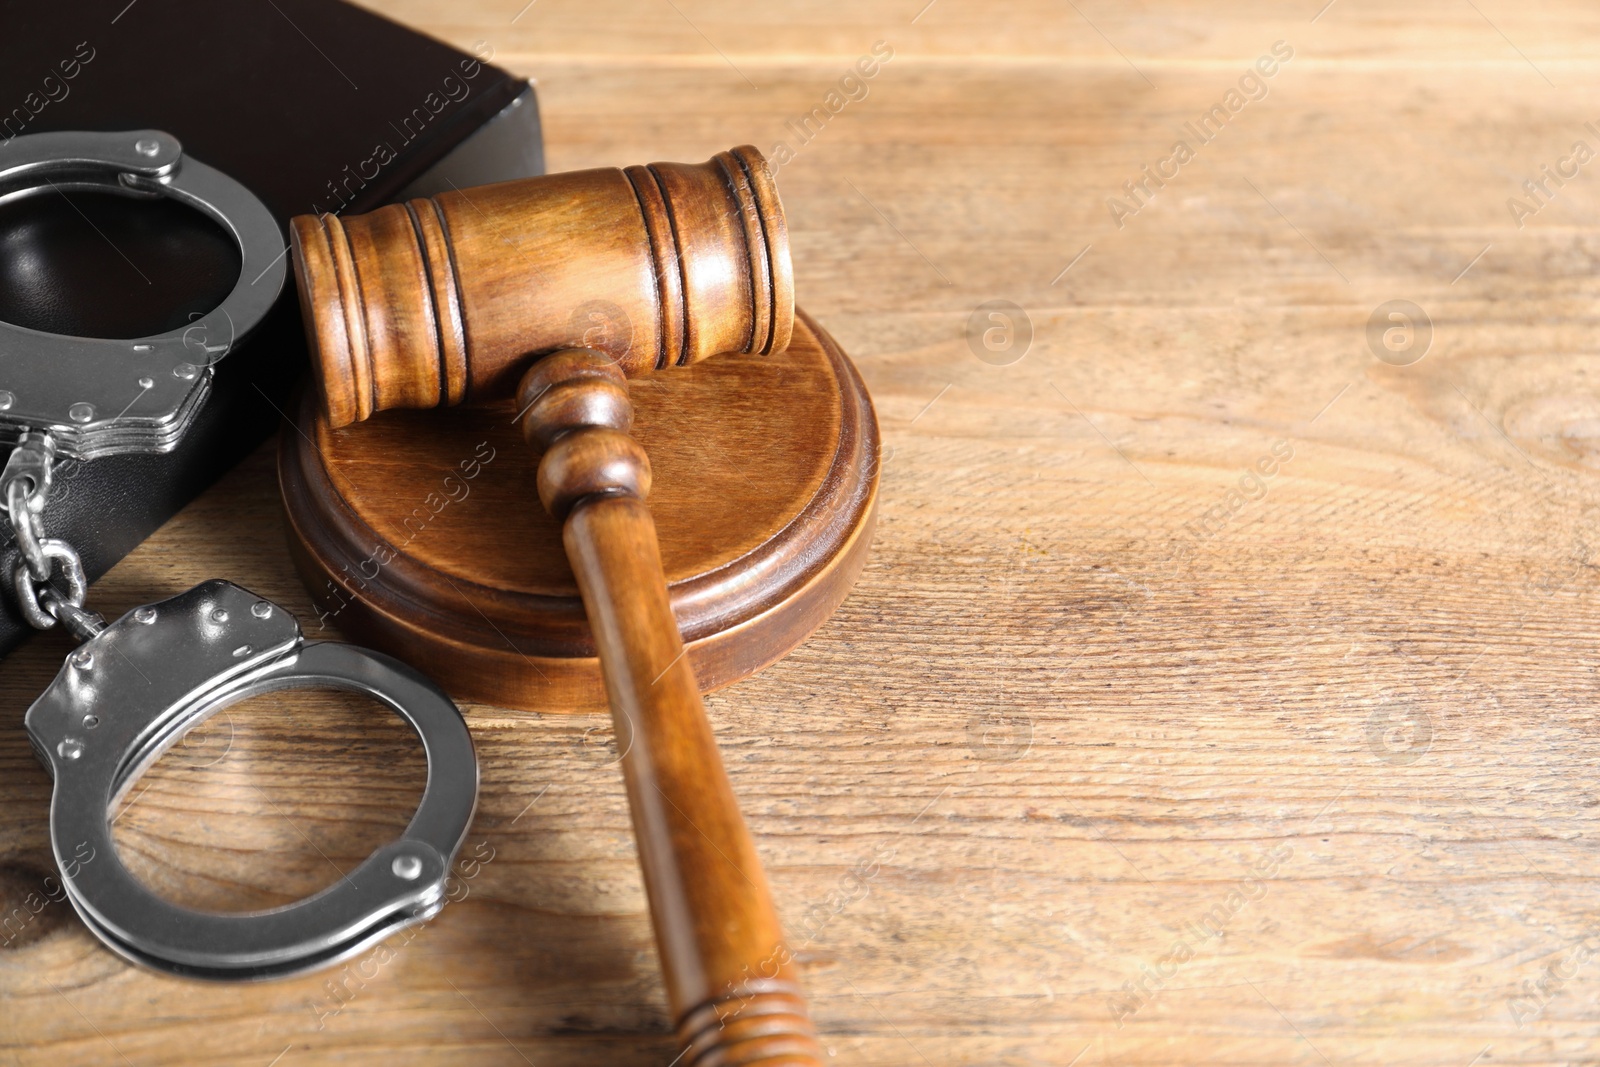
(100,396)
(133,688)
(129,693)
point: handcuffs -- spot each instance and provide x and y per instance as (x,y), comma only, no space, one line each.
(134,687)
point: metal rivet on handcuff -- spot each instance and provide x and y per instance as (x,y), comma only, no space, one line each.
(133,688)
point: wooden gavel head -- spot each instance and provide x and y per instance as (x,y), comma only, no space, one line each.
(451,298)
(559,288)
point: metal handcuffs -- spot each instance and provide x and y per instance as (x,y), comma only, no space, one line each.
(133,688)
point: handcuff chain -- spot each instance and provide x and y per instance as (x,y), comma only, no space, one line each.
(25,483)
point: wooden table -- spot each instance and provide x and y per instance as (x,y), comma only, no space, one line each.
(1118,753)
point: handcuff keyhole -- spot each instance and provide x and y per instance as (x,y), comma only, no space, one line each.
(91,721)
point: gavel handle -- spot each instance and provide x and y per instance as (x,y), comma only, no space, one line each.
(735,996)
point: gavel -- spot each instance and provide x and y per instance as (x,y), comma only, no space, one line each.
(556,290)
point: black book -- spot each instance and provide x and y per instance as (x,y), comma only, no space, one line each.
(313,105)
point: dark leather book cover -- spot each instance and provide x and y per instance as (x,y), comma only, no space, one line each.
(314,105)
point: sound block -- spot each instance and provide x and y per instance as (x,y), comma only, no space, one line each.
(420,533)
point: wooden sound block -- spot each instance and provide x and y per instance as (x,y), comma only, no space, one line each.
(420,532)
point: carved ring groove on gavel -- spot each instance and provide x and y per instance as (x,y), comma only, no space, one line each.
(556,290)
(443,300)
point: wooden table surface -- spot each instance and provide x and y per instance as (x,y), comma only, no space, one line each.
(1218,692)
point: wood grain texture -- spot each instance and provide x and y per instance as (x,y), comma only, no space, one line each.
(420,533)
(440,300)
(1342,746)
(699,257)
(730,976)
